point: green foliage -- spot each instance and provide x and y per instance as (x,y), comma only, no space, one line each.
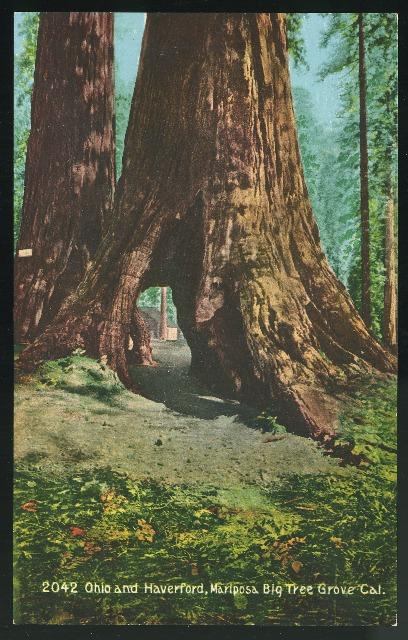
(326,184)
(342,33)
(171,308)
(377,230)
(315,531)
(268,423)
(296,43)
(25,60)
(371,427)
(382,32)
(341,40)
(23,83)
(104,527)
(79,374)
(151,298)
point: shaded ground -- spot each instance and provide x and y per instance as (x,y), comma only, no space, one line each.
(178,433)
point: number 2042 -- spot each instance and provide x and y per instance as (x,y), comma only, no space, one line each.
(55,587)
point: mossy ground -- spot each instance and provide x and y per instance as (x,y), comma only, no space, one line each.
(89,523)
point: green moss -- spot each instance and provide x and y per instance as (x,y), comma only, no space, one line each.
(82,375)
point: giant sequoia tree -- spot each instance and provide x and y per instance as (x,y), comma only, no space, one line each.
(69,176)
(212,202)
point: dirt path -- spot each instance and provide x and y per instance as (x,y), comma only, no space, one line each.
(178,433)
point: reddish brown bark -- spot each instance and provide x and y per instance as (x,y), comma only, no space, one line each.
(364,194)
(212,202)
(139,344)
(70,169)
(163,314)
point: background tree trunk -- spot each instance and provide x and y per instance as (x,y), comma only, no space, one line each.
(212,202)
(364,196)
(69,177)
(390,286)
(163,314)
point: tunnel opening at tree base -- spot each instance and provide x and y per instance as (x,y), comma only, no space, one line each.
(159,313)
(170,380)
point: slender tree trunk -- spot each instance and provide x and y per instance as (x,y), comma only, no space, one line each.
(364,195)
(69,177)
(212,202)
(390,287)
(163,314)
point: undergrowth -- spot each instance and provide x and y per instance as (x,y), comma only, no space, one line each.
(82,375)
(100,527)
(369,426)
(103,527)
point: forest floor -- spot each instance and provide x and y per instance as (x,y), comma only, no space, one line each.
(178,488)
(176,431)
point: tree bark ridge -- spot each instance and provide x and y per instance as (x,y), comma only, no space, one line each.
(70,169)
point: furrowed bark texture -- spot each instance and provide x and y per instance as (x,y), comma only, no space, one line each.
(139,345)
(70,163)
(212,202)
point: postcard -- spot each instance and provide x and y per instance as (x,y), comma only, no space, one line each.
(205,299)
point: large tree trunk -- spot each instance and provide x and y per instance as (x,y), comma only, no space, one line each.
(139,341)
(212,202)
(364,196)
(390,286)
(163,314)
(69,179)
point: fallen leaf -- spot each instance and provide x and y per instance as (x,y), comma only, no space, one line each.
(296,566)
(77,532)
(90,548)
(338,542)
(145,533)
(30,506)
(296,540)
(107,496)
(23,379)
